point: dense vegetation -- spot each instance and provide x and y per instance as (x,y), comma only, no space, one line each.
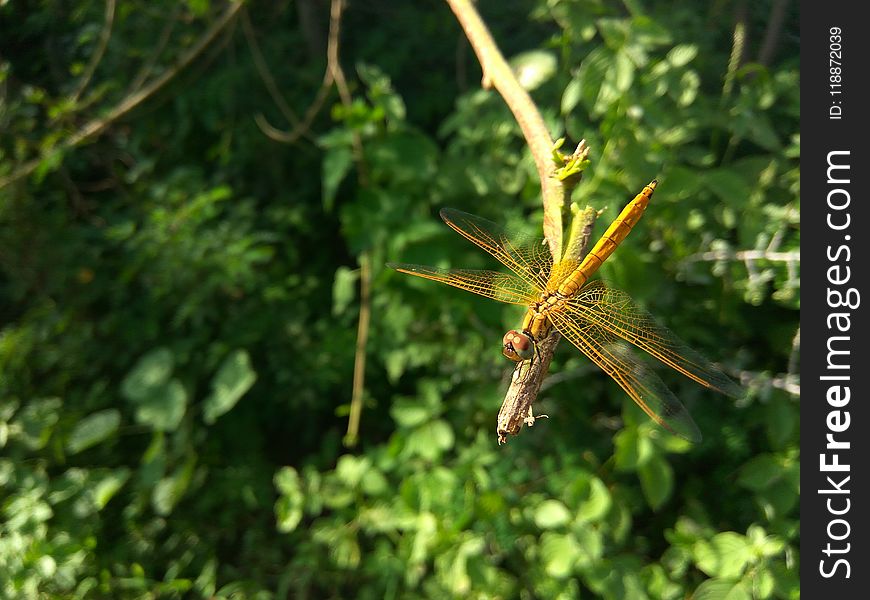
(180,295)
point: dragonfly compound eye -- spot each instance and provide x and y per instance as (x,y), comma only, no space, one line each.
(518,346)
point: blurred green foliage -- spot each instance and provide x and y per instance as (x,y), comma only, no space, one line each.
(180,297)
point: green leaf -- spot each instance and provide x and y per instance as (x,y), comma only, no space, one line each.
(590,541)
(162,408)
(623,72)
(656,481)
(725,556)
(533,68)
(597,503)
(170,490)
(454,565)
(689,85)
(781,420)
(559,551)
(550,514)
(36,420)
(729,185)
(150,372)
(350,469)
(722,589)
(93,429)
(762,584)
(760,472)
(571,96)
(431,439)
(343,289)
(108,486)
(632,449)
(233,379)
(337,162)
(682,54)
(288,508)
(411,412)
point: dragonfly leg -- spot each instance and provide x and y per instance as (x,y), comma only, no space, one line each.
(531,418)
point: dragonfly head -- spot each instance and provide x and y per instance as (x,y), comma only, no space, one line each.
(518,346)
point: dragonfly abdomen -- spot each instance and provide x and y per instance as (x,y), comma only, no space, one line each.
(615,234)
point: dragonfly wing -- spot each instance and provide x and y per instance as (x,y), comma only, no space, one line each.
(503,287)
(528,257)
(615,357)
(615,311)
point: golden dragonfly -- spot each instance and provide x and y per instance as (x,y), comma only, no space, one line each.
(601,321)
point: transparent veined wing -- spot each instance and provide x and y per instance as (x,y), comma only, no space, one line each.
(503,287)
(615,311)
(526,256)
(615,357)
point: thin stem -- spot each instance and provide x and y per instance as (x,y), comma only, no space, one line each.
(148,65)
(334,70)
(99,51)
(359,362)
(264,71)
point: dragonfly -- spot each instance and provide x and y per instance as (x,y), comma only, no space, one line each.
(604,323)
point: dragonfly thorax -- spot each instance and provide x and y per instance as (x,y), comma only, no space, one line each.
(518,346)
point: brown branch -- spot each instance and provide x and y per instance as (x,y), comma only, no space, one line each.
(95,127)
(334,66)
(528,376)
(333,75)
(498,74)
(301,130)
(516,409)
(99,51)
(265,73)
(333,70)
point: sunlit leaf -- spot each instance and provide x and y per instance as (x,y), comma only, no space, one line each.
(551,514)
(559,553)
(108,486)
(343,289)
(533,68)
(232,380)
(288,507)
(725,556)
(162,406)
(93,429)
(150,372)
(722,589)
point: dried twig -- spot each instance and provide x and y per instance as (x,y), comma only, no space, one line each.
(528,376)
(266,75)
(790,256)
(99,51)
(334,66)
(359,362)
(498,74)
(332,75)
